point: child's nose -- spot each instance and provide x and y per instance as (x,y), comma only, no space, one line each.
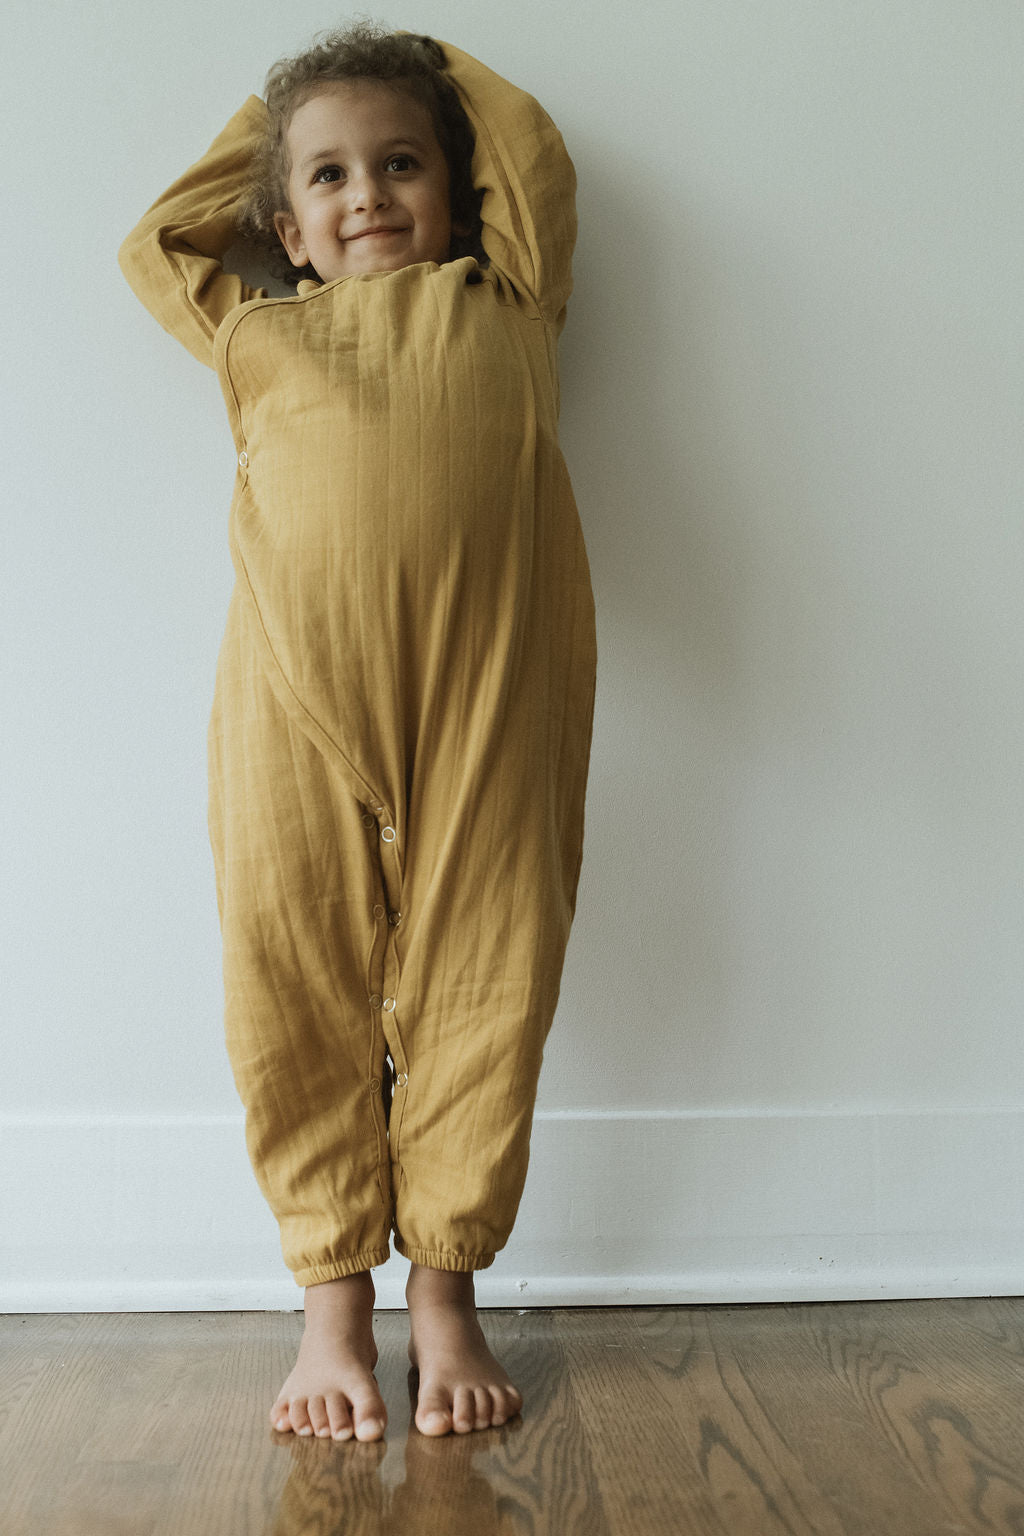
(367,191)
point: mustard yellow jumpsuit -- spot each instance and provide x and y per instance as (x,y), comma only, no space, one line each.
(402,716)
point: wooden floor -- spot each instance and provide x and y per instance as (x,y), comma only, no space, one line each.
(883,1418)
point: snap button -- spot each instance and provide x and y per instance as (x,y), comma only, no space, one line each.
(243,460)
(375,1000)
(402,1079)
(367,820)
(378,911)
(389,1005)
(394,918)
(388,834)
(375,1085)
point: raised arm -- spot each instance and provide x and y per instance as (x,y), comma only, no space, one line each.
(172,258)
(528,211)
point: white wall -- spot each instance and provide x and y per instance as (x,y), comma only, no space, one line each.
(787,1058)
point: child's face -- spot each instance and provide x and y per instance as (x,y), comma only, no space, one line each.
(368,184)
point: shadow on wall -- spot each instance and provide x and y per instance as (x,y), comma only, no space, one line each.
(647,434)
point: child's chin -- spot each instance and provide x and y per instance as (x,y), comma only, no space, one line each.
(377,263)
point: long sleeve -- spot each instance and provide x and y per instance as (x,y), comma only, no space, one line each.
(172,258)
(528,180)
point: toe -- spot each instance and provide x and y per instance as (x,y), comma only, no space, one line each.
(499,1406)
(484,1407)
(338,1416)
(298,1416)
(370,1426)
(370,1417)
(463,1410)
(317,1411)
(279,1416)
(433,1413)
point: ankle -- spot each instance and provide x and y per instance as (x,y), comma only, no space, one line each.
(350,1296)
(440,1287)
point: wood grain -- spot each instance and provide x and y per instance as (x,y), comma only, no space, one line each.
(818,1419)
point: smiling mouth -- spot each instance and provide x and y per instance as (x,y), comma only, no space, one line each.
(366,234)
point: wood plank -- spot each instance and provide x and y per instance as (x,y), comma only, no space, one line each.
(816,1373)
(957,1414)
(754,1474)
(648,1475)
(837,1419)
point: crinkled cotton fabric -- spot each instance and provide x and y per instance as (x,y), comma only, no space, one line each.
(402,717)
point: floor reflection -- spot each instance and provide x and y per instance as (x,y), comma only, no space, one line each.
(406,1485)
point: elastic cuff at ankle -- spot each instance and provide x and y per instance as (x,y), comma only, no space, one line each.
(337,1269)
(444,1258)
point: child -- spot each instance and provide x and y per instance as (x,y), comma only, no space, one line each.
(402,715)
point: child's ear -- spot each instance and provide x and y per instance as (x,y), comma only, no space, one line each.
(290,236)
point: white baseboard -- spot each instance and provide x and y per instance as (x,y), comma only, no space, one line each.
(161,1213)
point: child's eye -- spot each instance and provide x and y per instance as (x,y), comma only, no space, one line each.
(327,173)
(399,163)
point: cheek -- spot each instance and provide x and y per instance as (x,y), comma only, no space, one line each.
(441,214)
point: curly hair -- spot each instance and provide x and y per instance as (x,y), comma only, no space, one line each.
(362,51)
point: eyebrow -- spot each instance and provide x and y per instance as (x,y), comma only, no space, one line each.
(389,146)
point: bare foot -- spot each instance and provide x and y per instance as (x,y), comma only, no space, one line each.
(462,1386)
(332,1390)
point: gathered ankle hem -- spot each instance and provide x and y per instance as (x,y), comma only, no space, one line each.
(444,1258)
(339,1269)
